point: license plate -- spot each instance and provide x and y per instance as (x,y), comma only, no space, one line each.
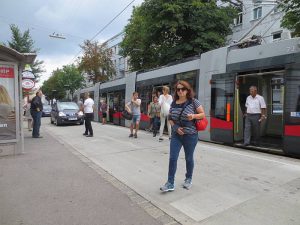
(72,118)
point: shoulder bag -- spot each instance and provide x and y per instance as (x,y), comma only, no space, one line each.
(200,124)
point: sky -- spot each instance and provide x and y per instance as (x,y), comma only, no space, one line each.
(76,20)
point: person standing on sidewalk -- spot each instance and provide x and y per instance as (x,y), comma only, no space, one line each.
(256,112)
(134,106)
(183,113)
(36,109)
(88,109)
(165,100)
(104,110)
(154,114)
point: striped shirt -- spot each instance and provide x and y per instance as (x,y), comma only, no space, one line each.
(188,125)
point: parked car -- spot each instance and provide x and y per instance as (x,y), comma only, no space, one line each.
(66,113)
(46,110)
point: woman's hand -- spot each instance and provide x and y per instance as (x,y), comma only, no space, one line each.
(180,131)
(190,116)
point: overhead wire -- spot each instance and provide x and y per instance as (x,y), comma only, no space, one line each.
(102,29)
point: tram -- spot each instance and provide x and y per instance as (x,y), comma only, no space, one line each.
(221,79)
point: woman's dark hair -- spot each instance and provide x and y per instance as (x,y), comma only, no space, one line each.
(190,92)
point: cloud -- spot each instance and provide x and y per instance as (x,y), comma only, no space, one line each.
(77,20)
(53,62)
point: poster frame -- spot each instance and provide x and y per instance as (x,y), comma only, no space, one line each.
(16,101)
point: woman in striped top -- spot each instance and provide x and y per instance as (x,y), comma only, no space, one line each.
(183,113)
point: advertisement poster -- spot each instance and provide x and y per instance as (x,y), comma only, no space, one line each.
(7,103)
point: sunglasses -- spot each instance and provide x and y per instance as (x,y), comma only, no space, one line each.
(181,89)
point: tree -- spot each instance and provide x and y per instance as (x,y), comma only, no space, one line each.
(96,61)
(62,80)
(23,43)
(51,87)
(161,31)
(291,19)
(71,79)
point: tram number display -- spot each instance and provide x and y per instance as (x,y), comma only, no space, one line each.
(291,48)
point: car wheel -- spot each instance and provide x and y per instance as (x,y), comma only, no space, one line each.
(56,122)
(81,123)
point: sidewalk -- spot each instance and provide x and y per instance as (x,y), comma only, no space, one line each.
(51,185)
(230,186)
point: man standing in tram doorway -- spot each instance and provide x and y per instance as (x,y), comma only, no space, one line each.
(88,108)
(256,112)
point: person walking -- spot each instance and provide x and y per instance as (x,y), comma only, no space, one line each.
(154,114)
(88,109)
(104,111)
(36,108)
(134,107)
(165,100)
(256,112)
(183,113)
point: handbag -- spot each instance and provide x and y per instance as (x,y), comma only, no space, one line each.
(200,124)
(127,115)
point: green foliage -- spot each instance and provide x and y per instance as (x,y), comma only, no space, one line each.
(62,80)
(23,43)
(291,19)
(96,61)
(162,31)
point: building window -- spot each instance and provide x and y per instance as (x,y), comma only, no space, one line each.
(257,13)
(277,36)
(239,19)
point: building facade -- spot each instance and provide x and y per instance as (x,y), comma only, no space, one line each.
(120,62)
(261,18)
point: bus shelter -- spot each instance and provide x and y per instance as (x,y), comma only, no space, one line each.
(11,108)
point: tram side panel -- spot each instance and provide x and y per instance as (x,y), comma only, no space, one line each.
(96,101)
(130,81)
(292,110)
(213,62)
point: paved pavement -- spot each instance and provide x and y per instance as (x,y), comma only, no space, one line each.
(51,184)
(230,187)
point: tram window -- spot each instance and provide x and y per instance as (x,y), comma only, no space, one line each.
(277,95)
(145,94)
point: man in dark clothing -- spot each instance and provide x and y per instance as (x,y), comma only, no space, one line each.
(36,109)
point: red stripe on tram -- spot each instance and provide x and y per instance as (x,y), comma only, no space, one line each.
(292,130)
(220,124)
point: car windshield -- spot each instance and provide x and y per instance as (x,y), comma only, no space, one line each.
(46,106)
(67,106)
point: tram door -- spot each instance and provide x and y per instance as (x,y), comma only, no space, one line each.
(222,99)
(117,108)
(270,85)
(110,102)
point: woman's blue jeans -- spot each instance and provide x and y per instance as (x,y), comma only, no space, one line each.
(189,142)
